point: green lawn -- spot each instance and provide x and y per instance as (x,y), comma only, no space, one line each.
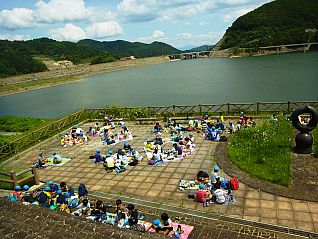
(20,125)
(264,151)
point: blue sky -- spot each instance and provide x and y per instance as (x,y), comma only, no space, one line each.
(180,23)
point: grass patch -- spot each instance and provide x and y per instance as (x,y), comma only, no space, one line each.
(19,124)
(264,151)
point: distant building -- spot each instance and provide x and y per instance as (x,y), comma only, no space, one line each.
(127,58)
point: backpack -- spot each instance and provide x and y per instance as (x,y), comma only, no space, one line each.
(43,198)
(72,203)
(219,196)
(65,208)
(224,184)
(234,183)
(82,191)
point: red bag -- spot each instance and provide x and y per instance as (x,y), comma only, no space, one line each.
(234,183)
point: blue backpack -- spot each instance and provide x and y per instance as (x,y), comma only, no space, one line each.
(82,191)
(72,203)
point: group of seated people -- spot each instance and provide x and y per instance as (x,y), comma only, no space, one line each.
(42,160)
(214,188)
(62,197)
(119,161)
(52,196)
(74,137)
(182,146)
(111,138)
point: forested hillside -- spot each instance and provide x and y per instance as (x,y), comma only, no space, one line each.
(126,48)
(18,57)
(275,23)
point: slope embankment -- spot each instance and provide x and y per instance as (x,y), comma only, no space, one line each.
(27,82)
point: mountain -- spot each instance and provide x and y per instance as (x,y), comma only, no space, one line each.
(275,23)
(199,48)
(126,48)
(18,57)
(21,57)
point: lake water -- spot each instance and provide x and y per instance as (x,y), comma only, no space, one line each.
(284,77)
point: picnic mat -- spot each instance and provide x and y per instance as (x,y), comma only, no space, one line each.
(186,229)
(50,162)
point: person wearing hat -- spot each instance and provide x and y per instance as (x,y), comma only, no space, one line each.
(17,193)
(149,145)
(127,147)
(98,156)
(191,137)
(158,139)
(41,160)
(109,163)
(44,197)
(27,195)
(60,198)
(56,158)
(243,118)
(202,195)
(54,187)
(215,177)
(162,225)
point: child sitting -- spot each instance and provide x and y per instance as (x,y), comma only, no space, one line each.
(98,157)
(202,196)
(132,215)
(157,128)
(83,208)
(17,193)
(163,225)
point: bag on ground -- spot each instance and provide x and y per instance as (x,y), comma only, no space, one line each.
(234,183)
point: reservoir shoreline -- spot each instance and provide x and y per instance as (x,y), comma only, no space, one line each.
(28,82)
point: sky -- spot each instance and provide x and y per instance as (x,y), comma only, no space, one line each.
(181,23)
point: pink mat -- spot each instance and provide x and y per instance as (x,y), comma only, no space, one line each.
(186,229)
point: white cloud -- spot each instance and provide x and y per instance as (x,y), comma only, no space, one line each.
(144,11)
(104,29)
(184,36)
(16,18)
(137,10)
(187,39)
(156,35)
(61,11)
(15,37)
(69,32)
(100,30)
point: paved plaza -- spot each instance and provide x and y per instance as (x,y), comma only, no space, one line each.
(160,183)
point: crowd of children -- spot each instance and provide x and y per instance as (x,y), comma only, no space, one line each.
(63,198)
(117,161)
(74,137)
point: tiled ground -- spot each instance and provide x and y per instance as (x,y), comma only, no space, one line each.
(159,183)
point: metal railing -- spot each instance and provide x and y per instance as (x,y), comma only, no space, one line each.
(56,127)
